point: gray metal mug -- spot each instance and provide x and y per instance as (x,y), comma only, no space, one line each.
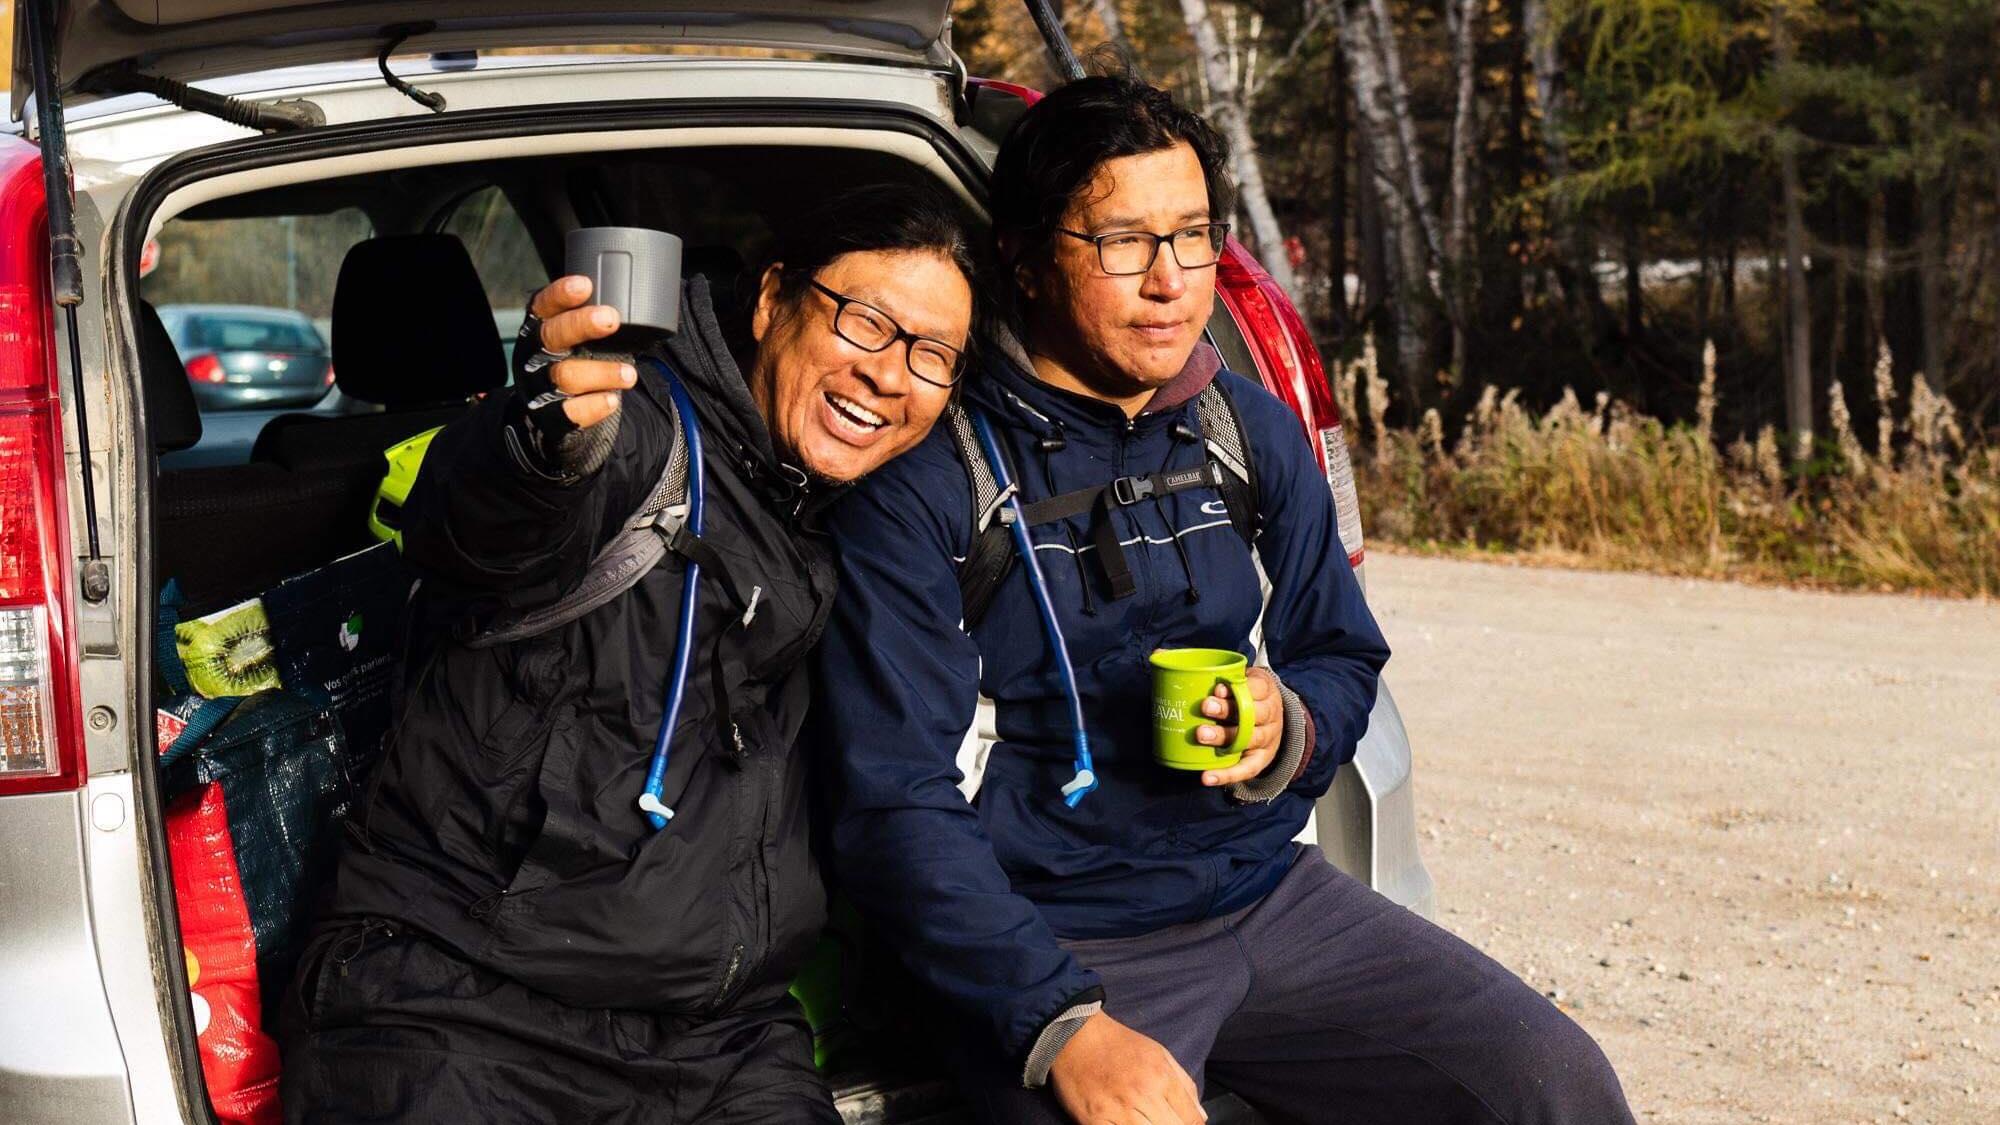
(634,270)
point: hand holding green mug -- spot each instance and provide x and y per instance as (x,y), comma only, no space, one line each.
(1197,696)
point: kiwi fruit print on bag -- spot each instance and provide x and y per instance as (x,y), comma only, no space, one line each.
(229,653)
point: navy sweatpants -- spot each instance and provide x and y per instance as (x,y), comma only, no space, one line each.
(1326,1002)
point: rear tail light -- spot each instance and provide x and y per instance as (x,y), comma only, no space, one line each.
(1290,367)
(41,737)
(329,373)
(205,368)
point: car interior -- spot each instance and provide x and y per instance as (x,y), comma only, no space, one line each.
(414,330)
(420,315)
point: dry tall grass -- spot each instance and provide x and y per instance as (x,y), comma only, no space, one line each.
(1607,486)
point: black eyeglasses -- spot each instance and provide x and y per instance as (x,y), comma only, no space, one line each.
(1127,252)
(872,330)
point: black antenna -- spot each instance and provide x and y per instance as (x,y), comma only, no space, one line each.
(65,261)
(1050,25)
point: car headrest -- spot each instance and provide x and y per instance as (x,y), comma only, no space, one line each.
(170,405)
(411,326)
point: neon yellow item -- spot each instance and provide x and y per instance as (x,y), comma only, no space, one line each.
(405,458)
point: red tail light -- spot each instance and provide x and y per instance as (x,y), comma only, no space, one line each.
(205,368)
(1290,366)
(41,737)
(329,373)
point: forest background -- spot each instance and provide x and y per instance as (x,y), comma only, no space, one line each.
(1708,287)
(1701,286)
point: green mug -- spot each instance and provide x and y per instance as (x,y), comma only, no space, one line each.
(1182,678)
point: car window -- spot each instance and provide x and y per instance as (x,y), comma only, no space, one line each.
(248,301)
(502,252)
(278,261)
(247,332)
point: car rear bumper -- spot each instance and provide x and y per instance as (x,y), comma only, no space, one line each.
(60,1059)
(1367,822)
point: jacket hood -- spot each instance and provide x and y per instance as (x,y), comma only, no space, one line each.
(701,354)
(1010,386)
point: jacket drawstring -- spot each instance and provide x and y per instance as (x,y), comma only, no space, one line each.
(1082,573)
(1051,443)
(1181,433)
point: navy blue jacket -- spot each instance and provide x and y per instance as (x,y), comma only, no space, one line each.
(974,895)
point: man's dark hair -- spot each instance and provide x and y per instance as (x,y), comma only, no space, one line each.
(886,216)
(1058,144)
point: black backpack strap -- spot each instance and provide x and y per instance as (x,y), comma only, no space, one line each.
(648,535)
(1229,445)
(1122,492)
(1230,471)
(990,554)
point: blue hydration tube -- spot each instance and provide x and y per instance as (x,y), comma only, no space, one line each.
(1086,778)
(657,812)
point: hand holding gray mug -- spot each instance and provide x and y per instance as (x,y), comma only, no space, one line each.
(561,319)
(633,275)
(573,361)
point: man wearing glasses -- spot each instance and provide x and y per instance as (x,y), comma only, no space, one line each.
(1109,935)
(872,330)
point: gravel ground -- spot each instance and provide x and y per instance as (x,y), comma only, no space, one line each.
(1749,838)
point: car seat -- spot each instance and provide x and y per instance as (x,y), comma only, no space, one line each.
(230,532)
(412,334)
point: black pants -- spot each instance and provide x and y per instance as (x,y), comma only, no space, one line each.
(1326,1002)
(387,1026)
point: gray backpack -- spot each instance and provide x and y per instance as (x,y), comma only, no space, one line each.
(658,527)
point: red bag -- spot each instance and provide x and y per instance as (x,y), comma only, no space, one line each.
(239,1061)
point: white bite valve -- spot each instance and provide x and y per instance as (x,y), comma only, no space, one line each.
(651,804)
(1084,779)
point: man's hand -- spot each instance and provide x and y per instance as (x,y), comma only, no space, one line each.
(593,387)
(1109,1074)
(1264,740)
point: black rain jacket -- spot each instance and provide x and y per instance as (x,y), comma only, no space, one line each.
(504,819)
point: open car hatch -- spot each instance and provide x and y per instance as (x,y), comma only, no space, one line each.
(94,41)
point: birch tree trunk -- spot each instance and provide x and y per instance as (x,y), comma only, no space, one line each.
(1369,240)
(1798,353)
(1336,265)
(1406,125)
(1114,32)
(1877,271)
(1458,264)
(1576,260)
(1406,261)
(1229,113)
(1798,358)
(1507,292)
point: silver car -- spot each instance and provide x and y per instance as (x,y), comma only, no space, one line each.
(246,357)
(394,119)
